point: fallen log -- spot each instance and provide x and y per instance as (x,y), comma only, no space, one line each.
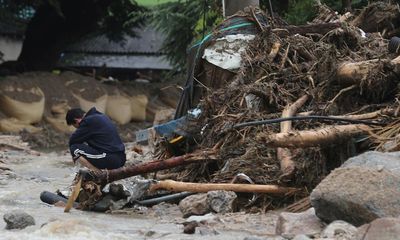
(312,138)
(108,176)
(349,73)
(175,186)
(284,154)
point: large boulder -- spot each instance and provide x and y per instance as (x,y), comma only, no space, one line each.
(382,229)
(377,160)
(357,195)
(291,224)
(18,220)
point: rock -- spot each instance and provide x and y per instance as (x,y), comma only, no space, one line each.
(166,209)
(265,238)
(381,228)
(301,237)
(206,230)
(190,227)
(292,224)
(357,195)
(376,160)
(118,191)
(105,203)
(194,205)
(339,230)
(221,201)
(18,220)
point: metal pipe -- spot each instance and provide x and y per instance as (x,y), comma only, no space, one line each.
(312,117)
(174,196)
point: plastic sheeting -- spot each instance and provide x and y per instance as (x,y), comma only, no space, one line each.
(226,51)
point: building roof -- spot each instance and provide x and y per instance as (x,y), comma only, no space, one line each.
(141,52)
(148,41)
(118,61)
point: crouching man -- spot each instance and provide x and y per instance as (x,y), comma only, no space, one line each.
(95,143)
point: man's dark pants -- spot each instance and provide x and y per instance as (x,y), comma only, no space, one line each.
(97,158)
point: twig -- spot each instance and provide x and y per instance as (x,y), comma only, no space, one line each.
(340,93)
(284,57)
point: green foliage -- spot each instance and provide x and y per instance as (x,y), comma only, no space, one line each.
(334,4)
(208,22)
(150,3)
(121,17)
(300,11)
(182,23)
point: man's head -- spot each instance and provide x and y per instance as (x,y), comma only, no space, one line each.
(74,116)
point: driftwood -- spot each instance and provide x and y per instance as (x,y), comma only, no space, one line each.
(353,72)
(175,186)
(153,166)
(274,50)
(284,154)
(321,28)
(378,113)
(312,138)
(74,195)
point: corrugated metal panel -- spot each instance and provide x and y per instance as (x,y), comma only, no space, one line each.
(147,41)
(115,61)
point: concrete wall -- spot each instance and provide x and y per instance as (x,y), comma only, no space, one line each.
(232,6)
(10,48)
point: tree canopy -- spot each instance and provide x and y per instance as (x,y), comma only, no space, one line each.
(55,23)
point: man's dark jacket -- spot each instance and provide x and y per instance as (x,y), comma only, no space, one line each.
(98,131)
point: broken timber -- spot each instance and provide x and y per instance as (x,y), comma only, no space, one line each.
(284,154)
(153,166)
(313,138)
(354,72)
(175,186)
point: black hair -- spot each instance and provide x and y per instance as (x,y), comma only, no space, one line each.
(72,114)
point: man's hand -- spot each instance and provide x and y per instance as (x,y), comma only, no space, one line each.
(98,176)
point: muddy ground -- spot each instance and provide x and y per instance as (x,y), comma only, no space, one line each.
(32,172)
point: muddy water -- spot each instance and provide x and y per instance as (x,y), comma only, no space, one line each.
(20,190)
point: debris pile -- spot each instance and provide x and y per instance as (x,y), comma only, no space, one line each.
(333,68)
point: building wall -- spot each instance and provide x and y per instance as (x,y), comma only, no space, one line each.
(10,48)
(232,6)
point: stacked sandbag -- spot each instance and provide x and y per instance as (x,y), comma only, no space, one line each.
(163,116)
(119,108)
(86,90)
(13,125)
(154,105)
(138,107)
(23,102)
(99,103)
(57,117)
